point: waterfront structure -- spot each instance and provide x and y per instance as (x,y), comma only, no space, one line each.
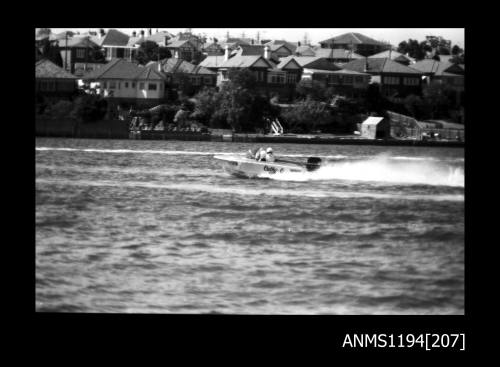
(395,80)
(356,42)
(376,128)
(53,82)
(125,82)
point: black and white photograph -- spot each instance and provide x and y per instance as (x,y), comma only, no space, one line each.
(250,171)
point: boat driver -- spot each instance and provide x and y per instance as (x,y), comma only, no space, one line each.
(269,155)
(261,155)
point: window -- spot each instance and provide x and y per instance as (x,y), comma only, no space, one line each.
(291,78)
(104,85)
(410,81)
(152,86)
(133,84)
(358,79)
(126,84)
(348,79)
(80,53)
(394,80)
(141,86)
(334,79)
(112,85)
(207,80)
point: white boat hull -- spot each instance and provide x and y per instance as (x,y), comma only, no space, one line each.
(245,167)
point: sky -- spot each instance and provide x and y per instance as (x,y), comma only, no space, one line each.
(391,35)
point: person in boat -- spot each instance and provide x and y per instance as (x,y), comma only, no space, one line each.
(270,155)
(252,152)
(261,155)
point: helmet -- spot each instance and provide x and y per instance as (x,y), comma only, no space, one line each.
(269,150)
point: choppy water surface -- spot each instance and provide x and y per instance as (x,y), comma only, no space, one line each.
(157,226)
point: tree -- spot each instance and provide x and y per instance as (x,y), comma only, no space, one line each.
(50,51)
(43,32)
(313,90)
(436,96)
(89,108)
(151,51)
(413,48)
(307,116)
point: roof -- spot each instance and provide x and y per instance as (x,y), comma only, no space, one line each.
(315,62)
(285,61)
(342,71)
(175,43)
(175,65)
(438,68)
(122,69)
(393,55)
(353,38)
(305,51)
(47,69)
(379,65)
(372,120)
(159,37)
(336,53)
(78,42)
(115,38)
(212,61)
(239,61)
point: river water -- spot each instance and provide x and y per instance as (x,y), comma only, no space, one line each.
(158,227)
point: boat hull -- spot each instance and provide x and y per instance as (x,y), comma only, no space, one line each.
(245,167)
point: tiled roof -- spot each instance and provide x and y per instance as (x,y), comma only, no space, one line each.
(243,61)
(438,68)
(379,65)
(310,62)
(47,69)
(342,71)
(122,69)
(78,42)
(336,53)
(159,37)
(305,51)
(393,55)
(174,65)
(149,73)
(213,61)
(285,60)
(115,38)
(354,38)
(175,43)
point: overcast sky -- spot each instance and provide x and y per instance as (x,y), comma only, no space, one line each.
(392,35)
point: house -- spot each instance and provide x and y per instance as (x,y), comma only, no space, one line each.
(447,73)
(80,55)
(394,55)
(281,48)
(183,49)
(53,82)
(357,42)
(395,80)
(124,81)
(116,44)
(304,51)
(346,83)
(160,38)
(376,128)
(175,69)
(213,62)
(213,49)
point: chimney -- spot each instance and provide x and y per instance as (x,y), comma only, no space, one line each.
(134,34)
(298,43)
(226,53)
(101,33)
(366,65)
(142,33)
(159,66)
(156,30)
(266,52)
(149,32)
(176,54)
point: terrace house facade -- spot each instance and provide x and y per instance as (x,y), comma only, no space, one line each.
(395,80)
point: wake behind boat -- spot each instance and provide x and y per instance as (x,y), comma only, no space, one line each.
(249,167)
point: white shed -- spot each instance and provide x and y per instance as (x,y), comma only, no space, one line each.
(376,128)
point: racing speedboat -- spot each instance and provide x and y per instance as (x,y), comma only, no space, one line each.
(247,167)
